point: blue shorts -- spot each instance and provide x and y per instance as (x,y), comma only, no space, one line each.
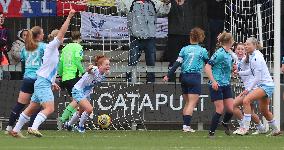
(222,93)
(79,95)
(191,83)
(43,92)
(28,85)
(268,90)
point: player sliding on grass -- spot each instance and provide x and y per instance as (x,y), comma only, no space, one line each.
(263,91)
(46,74)
(219,69)
(242,65)
(83,88)
(71,70)
(191,59)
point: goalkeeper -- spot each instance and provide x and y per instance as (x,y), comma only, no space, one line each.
(70,70)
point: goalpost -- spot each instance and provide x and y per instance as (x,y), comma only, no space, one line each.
(277,57)
(261,19)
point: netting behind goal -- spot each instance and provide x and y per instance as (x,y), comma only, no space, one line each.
(242,20)
(252,18)
(117,50)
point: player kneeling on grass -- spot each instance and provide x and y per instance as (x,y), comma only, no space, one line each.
(242,65)
(83,88)
(263,91)
(45,80)
(191,59)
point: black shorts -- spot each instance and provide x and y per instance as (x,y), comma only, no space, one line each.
(69,84)
(28,86)
(222,93)
(191,83)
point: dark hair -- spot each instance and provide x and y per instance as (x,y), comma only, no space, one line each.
(22,32)
(197,35)
(235,45)
(75,35)
(99,59)
(30,42)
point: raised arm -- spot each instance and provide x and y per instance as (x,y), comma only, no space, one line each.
(64,27)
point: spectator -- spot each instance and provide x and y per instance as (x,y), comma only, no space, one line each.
(5,42)
(17,47)
(184,15)
(216,19)
(282,68)
(142,18)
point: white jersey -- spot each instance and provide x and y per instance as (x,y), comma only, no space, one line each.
(259,70)
(247,79)
(234,56)
(50,58)
(88,81)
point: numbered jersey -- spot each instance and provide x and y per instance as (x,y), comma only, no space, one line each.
(32,60)
(192,58)
(70,61)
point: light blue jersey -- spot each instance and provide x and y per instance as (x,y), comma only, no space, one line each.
(192,58)
(32,60)
(221,63)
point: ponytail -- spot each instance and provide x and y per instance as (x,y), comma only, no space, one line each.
(30,43)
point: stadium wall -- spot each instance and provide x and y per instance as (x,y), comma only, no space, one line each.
(157,106)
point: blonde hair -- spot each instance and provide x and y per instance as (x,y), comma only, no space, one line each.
(255,42)
(225,38)
(52,35)
(30,43)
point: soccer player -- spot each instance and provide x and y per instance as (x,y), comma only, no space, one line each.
(263,91)
(31,56)
(191,59)
(242,65)
(219,69)
(43,95)
(70,69)
(83,88)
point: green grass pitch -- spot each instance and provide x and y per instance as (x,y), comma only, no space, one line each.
(140,140)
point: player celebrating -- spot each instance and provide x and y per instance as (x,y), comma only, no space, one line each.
(70,69)
(242,65)
(31,56)
(46,78)
(264,88)
(191,59)
(219,69)
(83,88)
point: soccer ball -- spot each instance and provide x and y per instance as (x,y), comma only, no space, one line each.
(104,120)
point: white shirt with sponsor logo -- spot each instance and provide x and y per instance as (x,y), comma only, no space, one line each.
(50,58)
(89,81)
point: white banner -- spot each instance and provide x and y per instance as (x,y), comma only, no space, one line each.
(97,25)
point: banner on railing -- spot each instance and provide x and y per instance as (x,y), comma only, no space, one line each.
(97,25)
(101,2)
(26,8)
(39,8)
